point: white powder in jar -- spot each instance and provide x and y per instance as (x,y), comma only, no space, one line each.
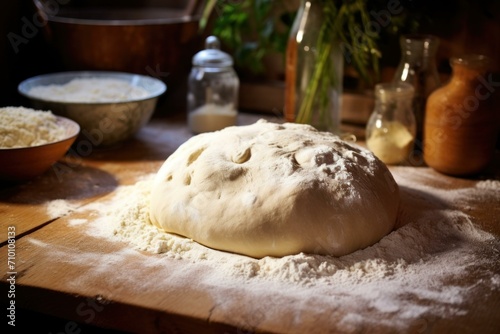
(415,273)
(25,127)
(211,117)
(392,143)
(86,90)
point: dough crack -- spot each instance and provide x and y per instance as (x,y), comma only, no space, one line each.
(242,156)
(195,155)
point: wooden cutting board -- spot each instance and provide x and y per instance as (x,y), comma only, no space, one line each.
(65,272)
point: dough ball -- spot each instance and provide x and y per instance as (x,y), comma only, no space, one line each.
(271,189)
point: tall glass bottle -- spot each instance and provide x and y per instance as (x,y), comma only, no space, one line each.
(418,68)
(314,71)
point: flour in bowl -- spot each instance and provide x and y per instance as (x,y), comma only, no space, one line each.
(88,90)
(25,127)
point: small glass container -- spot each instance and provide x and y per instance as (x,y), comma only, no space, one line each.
(391,128)
(212,89)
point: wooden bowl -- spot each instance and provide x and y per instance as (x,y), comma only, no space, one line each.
(25,163)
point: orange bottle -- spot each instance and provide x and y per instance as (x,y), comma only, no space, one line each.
(461,120)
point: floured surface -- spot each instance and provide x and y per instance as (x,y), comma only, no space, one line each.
(437,266)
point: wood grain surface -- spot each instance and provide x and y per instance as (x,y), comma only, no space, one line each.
(86,280)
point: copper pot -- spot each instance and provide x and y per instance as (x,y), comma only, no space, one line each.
(158,41)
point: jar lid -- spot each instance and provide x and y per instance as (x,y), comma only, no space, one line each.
(212,56)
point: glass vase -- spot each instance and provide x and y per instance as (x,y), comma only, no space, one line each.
(418,68)
(314,71)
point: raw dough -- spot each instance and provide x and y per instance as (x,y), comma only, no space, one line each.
(270,189)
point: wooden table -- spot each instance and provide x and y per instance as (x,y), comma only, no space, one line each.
(54,292)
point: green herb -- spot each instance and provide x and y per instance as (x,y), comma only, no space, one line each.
(342,27)
(249,29)
(346,25)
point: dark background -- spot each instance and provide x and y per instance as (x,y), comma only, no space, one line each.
(463,26)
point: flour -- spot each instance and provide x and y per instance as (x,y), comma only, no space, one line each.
(413,273)
(489,184)
(25,127)
(212,117)
(85,90)
(391,143)
(59,207)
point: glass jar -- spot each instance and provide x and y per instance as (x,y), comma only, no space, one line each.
(212,89)
(462,121)
(391,128)
(313,71)
(418,68)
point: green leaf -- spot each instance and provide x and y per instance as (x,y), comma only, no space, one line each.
(207,11)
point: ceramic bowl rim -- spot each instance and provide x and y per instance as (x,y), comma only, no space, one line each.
(155,89)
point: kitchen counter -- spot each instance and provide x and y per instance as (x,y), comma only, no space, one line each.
(66,279)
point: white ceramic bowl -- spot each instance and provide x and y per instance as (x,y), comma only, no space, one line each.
(102,123)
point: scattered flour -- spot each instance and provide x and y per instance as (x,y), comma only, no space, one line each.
(414,273)
(25,127)
(59,207)
(489,184)
(77,221)
(90,90)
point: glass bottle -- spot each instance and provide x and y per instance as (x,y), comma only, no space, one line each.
(391,128)
(462,120)
(313,72)
(418,68)
(212,89)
